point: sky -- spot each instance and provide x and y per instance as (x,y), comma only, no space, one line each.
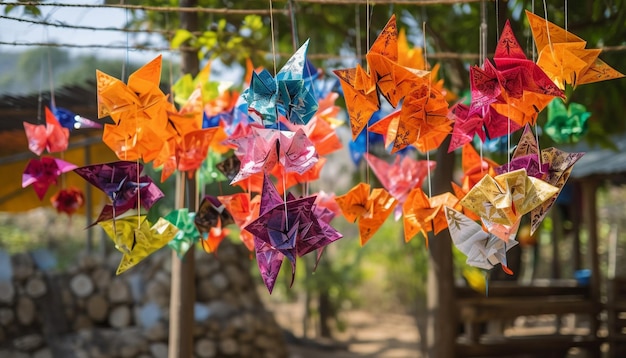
(14,31)
(21,32)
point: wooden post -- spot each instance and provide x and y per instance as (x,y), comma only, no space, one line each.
(183,293)
(442,324)
(589,187)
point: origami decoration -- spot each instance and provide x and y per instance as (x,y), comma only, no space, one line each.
(287,94)
(186,85)
(43,172)
(123,185)
(404,174)
(556,167)
(264,148)
(73,121)
(50,136)
(474,166)
(503,199)
(136,238)
(395,82)
(68,200)
(562,55)
(210,220)
(561,165)
(483,250)
(138,110)
(208,172)
(269,260)
(243,210)
(187,234)
(516,87)
(291,227)
(566,124)
(422,121)
(423,214)
(370,209)
(491,124)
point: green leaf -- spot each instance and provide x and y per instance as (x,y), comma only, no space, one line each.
(180,37)
(253,22)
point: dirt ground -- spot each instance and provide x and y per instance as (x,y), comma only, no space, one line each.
(368,335)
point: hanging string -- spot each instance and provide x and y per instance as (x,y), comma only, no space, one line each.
(294,29)
(273,38)
(497,21)
(430,191)
(534,47)
(482,46)
(367,125)
(545,13)
(357,26)
(40,95)
(126,60)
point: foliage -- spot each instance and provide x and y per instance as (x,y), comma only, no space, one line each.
(26,10)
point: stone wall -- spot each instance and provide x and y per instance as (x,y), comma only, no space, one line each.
(87,311)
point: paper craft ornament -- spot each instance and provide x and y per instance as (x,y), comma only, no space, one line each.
(137,238)
(68,200)
(50,136)
(555,168)
(210,220)
(260,151)
(288,94)
(399,177)
(483,250)
(503,199)
(43,172)
(562,55)
(290,226)
(187,235)
(566,124)
(123,184)
(244,210)
(138,110)
(369,208)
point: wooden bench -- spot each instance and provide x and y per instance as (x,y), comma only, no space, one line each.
(616,317)
(507,301)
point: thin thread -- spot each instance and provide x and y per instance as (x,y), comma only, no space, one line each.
(367,125)
(273,38)
(483,33)
(483,56)
(40,95)
(126,61)
(294,29)
(430,189)
(357,26)
(534,47)
(50,77)
(508,137)
(545,13)
(497,21)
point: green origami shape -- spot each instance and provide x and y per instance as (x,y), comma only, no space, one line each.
(566,124)
(208,173)
(187,235)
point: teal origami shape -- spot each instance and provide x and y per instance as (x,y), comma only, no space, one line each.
(566,124)
(187,235)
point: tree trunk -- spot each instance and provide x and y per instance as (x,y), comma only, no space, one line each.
(441,329)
